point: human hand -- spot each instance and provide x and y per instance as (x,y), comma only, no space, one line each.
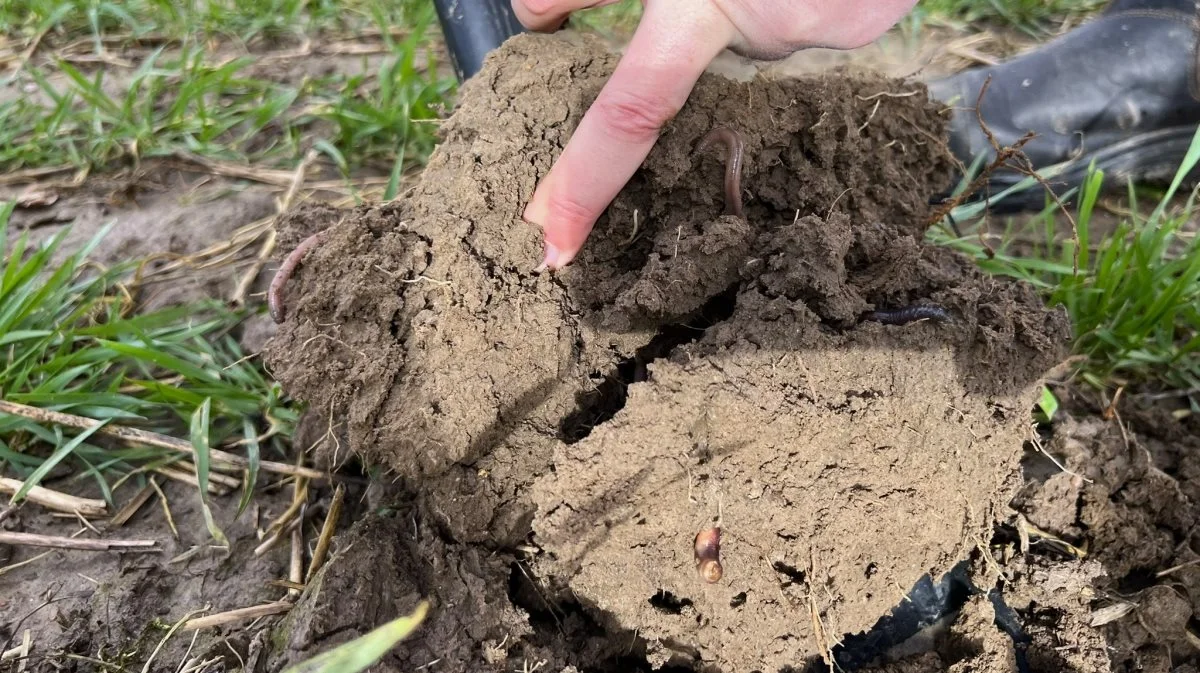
(675,42)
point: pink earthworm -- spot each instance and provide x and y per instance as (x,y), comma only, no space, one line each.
(733,165)
(275,293)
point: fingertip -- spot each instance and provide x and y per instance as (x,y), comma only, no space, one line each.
(555,257)
(566,224)
(651,82)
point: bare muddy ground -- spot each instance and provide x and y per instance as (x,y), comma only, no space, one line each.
(89,611)
(552,444)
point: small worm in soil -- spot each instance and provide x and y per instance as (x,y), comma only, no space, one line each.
(733,165)
(275,293)
(903,316)
(708,555)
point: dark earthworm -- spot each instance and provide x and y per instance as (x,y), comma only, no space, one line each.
(903,316)
(275,293)
(733,165)
(708,555)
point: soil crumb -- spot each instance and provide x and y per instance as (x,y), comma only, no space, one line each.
(1104,577)
(1127,496)
(691,369)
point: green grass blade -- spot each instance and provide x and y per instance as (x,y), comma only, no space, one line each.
(200,443)
(393,184)
(1189,162)
(1134,302)
(252,457)
(55,458)
(165,360)
(364,651)
(22,335)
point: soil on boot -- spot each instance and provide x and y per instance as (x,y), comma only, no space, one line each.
(691,369)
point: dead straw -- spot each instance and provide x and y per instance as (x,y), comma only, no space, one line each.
(35,540)
(327,529)
(191,479)
(287,584)
(820,633)
(268,246)
(229,169)
(21,564)
(165,638)
(296,571)
(238,615)
(60,502)
(20,652)
(130,508)
(291,519)
(1174,569)
(279,527)
(143,437)
(162,497)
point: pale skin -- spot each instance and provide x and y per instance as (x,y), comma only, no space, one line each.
(675,42)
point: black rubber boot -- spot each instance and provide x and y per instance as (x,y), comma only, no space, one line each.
(1120,91)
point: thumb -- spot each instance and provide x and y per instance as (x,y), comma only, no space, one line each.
(548,15)
(673,45)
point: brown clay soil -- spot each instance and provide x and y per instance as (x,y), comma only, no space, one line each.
(842,460)
(547,446)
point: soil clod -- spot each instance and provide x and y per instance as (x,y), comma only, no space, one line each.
(859,457)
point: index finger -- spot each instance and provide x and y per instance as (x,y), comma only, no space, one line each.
(673,45)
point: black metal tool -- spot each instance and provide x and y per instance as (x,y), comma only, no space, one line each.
(473,28)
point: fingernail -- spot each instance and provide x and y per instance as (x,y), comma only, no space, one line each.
(552,255)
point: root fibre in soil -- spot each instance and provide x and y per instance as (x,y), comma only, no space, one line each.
(690,369)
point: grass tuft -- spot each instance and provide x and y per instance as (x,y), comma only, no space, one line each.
(373,117)
(1134,302)
(73,343)
(130,21)
(1034,17)
(615,21)
(184,97)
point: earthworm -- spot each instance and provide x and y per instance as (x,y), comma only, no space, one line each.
(903,316)
(275,293)
(708,555)
(733,165)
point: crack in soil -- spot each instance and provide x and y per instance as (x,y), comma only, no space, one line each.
(600,405)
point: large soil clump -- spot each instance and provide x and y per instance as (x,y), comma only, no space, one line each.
(690,369)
